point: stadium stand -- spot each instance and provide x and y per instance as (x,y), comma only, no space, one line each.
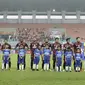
(30,31)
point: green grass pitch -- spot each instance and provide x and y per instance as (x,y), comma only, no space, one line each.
(28,77)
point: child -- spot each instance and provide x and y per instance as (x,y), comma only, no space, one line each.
(46,57)
(68,59)
(6,55)
(21,59)
(78,58)
(58,53)
(37,54)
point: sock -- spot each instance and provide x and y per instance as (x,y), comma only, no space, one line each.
(34,66)
(69,68)
(66,68)
(47,67)
(7,66)
(20,67)
(56,68)
(2,66)
(76,68)
(60,68)
(44,66)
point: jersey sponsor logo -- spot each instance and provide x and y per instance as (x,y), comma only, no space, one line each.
(46,53)
(78,56)
(37,54)
(59,54)
(68,55)
(6,52)
(21,52)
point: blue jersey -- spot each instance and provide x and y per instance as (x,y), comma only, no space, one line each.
(47,52)
(22,52)
(68,55)
(6,52)
(37,52)
(78,56)
(59,55)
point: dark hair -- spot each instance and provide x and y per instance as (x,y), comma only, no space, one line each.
(56,38)
(67,39)
(77,38)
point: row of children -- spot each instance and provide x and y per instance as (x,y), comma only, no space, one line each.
(46,50)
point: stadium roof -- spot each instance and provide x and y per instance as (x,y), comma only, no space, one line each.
(42,5)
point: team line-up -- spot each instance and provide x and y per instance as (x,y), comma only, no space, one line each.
(61,54)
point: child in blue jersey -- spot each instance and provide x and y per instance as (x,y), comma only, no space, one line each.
(6,55)
(58,53)
(68,59)
(78,58)
(22,53)
(46,57)
(37,54)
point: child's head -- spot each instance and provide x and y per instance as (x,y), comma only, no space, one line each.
(78,39)
(56,39)
(69,48)
(78,50)
(68,40)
